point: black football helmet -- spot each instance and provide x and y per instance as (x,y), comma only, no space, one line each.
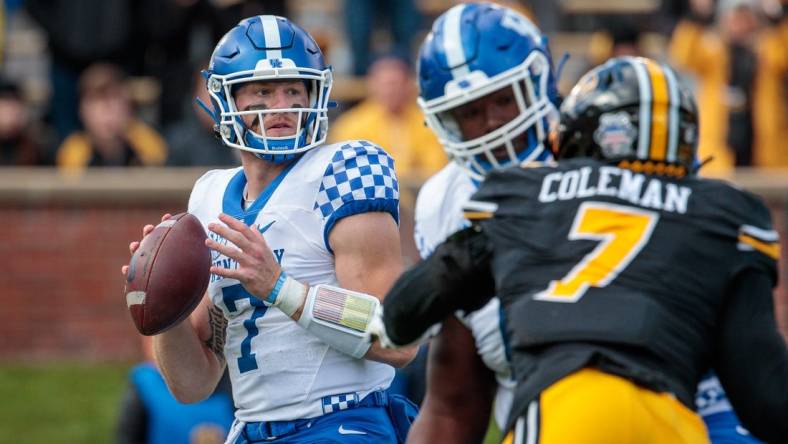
(632,111)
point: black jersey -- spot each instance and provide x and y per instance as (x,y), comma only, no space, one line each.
(647,277)
(597,265)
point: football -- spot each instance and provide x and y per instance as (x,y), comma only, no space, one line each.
(168,274)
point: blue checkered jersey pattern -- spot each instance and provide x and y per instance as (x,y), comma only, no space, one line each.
(359,179)
(336,403)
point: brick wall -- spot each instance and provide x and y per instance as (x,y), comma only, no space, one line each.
(62,288)
(63,241)
(62,244)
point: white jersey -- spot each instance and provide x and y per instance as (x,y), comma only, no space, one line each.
(279,371)
(438,215)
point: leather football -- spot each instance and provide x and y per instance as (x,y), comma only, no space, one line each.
(168,274)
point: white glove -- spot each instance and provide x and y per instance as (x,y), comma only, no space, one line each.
(377,330)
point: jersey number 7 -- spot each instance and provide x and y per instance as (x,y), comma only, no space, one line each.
(622,232)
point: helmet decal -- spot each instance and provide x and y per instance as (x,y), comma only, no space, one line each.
(615,134)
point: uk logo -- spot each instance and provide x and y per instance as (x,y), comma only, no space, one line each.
(276,63)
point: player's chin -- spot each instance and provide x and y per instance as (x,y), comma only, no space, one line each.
(501,153)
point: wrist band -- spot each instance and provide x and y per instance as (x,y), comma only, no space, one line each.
(274,294)
(288,294)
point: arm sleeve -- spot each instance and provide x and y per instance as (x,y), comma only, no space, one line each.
(133,421)
(359,179)
(456,276)
(751,358)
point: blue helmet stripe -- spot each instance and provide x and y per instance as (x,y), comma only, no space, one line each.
(271,35)
(452,42)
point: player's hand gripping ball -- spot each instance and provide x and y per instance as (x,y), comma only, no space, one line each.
(168,274)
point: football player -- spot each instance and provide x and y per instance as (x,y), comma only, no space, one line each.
(488,92)
(623,276)
(294,231)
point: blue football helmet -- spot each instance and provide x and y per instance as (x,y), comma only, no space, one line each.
(476,49)
(265,48)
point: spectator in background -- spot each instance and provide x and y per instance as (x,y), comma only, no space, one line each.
(191,141)
(79,33)
(362,15)
(18,145)
(182,31)
(740,65)
(149,414)
(113,136)
(145,37)
(771,120)
(620,37)
(614,36)
(390,117)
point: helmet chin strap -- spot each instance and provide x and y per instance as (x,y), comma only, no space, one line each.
(252,141)
(530,150)
(207,110)
(212,115)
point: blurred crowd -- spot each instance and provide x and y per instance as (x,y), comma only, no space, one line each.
(120,76)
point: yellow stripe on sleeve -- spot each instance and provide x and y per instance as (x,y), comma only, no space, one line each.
(770,249)
(478,215)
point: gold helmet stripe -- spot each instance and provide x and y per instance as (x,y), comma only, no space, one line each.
(659,110)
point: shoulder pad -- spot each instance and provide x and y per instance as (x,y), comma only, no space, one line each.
(359,178)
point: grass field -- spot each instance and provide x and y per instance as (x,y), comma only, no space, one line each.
(60,403)
(64,403)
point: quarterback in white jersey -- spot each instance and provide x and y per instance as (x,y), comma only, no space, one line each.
(487,90)
(302,234)
(279,370)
